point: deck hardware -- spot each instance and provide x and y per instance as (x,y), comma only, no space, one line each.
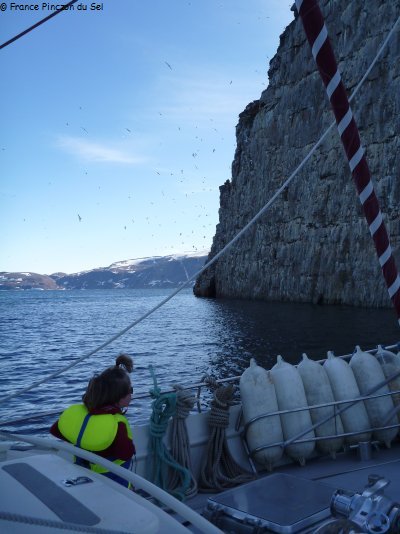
(76,481)
(372,510)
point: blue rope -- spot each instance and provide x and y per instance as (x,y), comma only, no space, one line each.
(163,408)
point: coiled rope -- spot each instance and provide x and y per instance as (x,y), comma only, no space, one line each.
(219,470)
(161,461)
(180,447)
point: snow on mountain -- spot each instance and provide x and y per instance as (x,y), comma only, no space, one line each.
(139,273)
(128,264)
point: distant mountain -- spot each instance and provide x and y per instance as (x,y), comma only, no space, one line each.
(140,273)
(26,281)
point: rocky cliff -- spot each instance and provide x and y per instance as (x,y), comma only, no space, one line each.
(313,245)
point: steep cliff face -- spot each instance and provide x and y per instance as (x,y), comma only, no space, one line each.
(313,245)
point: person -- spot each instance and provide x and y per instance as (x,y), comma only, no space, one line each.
(99,424)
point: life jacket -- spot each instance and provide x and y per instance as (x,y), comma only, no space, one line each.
(93,433)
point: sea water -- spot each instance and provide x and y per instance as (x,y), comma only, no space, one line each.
(44,331)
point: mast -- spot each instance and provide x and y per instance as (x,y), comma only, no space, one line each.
(317,35)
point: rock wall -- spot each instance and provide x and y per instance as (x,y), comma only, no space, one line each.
(313,245)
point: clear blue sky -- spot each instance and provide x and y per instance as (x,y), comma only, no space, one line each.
(118,126)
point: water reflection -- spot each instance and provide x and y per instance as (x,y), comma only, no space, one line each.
(265,329)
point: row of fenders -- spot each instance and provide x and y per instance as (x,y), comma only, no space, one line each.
(289,387)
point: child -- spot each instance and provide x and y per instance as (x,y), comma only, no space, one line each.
(98,425)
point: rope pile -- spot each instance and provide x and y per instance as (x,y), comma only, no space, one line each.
(163,408)
(219,470)
(180,448)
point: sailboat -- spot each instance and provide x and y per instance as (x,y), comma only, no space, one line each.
(43,490)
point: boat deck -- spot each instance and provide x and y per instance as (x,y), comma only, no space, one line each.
(348,471)
(297,492)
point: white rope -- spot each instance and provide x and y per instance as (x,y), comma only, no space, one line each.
(196,385)
(219,470)
(179,440)
(381,49)
(218,255)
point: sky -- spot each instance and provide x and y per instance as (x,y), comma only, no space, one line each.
(118,125)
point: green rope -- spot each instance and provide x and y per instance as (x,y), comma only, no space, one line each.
(163,408)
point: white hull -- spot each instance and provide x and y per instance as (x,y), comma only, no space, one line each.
(121,510)
(41,502)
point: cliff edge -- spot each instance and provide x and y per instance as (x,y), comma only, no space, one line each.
(314,244)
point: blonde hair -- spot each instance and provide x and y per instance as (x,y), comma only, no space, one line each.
(110,386)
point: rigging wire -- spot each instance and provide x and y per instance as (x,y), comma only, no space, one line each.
(64,8)
(219,254)
(197,385)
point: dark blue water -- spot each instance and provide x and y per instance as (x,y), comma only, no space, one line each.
(43,331)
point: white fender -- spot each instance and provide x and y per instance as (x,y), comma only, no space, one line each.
(319,391)
(344,387)
(258,396)
(368,374)
(290,394)
(390,364)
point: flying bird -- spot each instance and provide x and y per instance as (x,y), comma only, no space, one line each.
(168,65)
(79,217)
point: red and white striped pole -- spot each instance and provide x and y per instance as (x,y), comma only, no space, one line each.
(322,51)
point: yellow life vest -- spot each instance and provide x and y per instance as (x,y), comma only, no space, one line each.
(92,432)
